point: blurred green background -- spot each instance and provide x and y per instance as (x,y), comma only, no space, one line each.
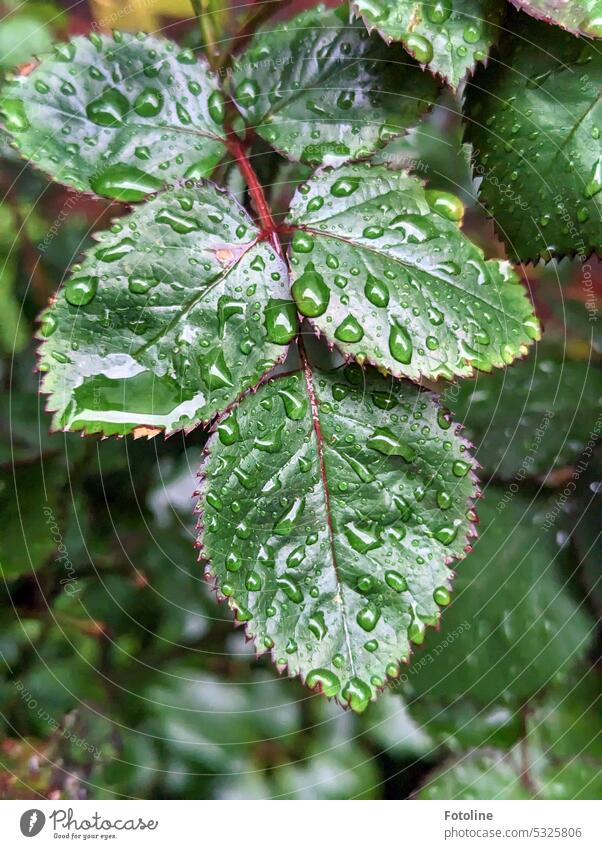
(122,677)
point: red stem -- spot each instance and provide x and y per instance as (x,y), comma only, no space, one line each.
(264,215)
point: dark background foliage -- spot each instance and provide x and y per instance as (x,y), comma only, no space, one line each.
(123,677)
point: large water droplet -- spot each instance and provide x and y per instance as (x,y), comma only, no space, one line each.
(400,344)
(108,110)
(228,430)
(439,11)
(286,523)
(367,617)
(79,291)
(324,680)
(125,183)
(420,47)
(396,581)
(385,442)
(295,406)
(317,625)
(349,330)
(357,693)
(280,321)
(15,118)
(361,539)
(149,103)
(291,589)
(311,293)
(446,204)
(344,186)
(377,292)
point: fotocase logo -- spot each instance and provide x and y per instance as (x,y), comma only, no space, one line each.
(32,822)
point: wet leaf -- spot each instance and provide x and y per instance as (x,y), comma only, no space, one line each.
(448,36)
(119,116)
(175,312)
(533,118)
(583,17)
(307,86)
(490,774)
(30,495)
(331,506)
(515,626)
(532,419)
(381,268)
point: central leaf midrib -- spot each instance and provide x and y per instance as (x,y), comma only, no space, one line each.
(315,419)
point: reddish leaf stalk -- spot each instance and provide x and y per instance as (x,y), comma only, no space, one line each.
(264,215)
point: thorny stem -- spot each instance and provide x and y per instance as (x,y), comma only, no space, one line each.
(269,230)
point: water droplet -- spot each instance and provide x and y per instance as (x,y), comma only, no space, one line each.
(291,589)
(111,253)
(400,344)
(420,47)
(315,204)
(594,185)
(446,534)
(108,110)
(439,11)
(286,523)
(233,562)
(228,430)
(385,442)
(460,468)
(323,680)
(357,693)
(295,405)
(79,291)
(317,626)
(311,293)
(396,581)
(367,617)
(373,232)
(444,500)
(149,103)
(271,442)
(215,372)
(447,205)
(361,539)
(302,242)
(247,93)
(215,107)
(442,596)
(48,326)
(344,186)
(280,321)
(178,223)
(125,183)
(214,501)
(349,330)
(14,114)
(471,34)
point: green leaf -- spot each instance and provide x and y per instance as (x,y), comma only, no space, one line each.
(117,116)
(22,36)
(515,627)
(449,36)
(533,118)
(583,17)
(331,504)
(546,429)
(500,775)
(179,309)
(30,497)
(383,271)
(320,90)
